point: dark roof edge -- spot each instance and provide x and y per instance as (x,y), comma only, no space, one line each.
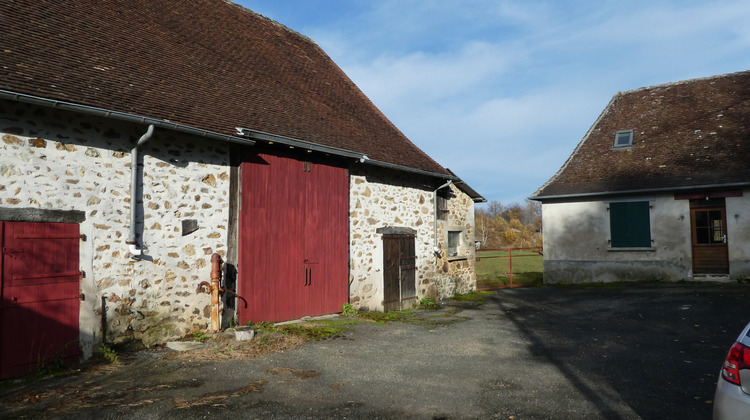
(466,189)
(609,106)
(471,192)
(101,112)
(302,144)
(408,169)
(640,191)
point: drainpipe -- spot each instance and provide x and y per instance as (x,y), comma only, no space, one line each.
(437,250)
(135,251)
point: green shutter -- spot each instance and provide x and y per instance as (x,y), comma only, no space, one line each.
(630,224)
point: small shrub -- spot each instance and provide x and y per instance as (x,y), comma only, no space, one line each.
(107,353)
(200,336)
(428,303)
(348,310)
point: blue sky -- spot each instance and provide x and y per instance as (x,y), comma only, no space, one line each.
(501,91)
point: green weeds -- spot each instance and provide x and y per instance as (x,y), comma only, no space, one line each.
(474,296)
(107,353)
(316,330)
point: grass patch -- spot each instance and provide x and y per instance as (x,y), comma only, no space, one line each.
(386,317)
(493,269)
(472,296)
(316,330)
(427,304)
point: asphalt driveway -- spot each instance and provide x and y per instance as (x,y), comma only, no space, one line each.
(643,351)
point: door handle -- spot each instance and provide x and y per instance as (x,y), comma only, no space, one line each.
(307,276)
(724,238)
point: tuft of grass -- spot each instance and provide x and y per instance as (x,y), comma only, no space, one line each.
(200,336)
(107,353)
(472,296)
(428,304)
(386,317)
(317,330)
(348,310)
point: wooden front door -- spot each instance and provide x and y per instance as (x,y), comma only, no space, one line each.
(709,237)
(39,272)
(399,271)
(294,239)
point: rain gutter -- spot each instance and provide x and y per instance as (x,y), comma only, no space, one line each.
(101,112)
(135,251)
(363,158)
(640,191)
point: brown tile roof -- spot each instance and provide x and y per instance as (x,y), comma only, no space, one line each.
(208,64)
(694,133)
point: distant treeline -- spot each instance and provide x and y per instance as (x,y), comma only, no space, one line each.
(512,226)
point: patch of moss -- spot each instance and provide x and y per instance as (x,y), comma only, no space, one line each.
(474,296)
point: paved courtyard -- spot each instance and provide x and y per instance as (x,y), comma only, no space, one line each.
(641,351)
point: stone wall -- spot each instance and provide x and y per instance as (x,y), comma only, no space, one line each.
(457,274)
(56,160)
(381,198)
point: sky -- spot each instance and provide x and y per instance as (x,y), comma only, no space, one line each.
(502,91)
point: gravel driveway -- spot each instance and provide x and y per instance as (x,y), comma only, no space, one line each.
(641,351)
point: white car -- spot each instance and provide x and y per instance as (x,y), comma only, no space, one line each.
(732,399)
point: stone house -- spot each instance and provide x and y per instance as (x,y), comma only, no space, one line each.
(658,188)
(137,141)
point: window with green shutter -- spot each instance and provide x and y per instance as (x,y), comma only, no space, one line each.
(630,224)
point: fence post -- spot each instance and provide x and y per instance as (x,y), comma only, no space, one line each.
(510,265)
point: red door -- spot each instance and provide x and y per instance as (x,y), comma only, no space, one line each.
(294,239)
(40,295)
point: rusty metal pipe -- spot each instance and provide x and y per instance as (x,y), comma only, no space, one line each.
(215,277)
(201,285)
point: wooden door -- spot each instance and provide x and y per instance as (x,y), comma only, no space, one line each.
(40,295)
(399,271)
(326,230)
(294,239)
(709,237)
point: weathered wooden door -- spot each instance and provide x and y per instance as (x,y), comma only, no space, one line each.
(709,237)
(399,271)
(294,239)
(40,295)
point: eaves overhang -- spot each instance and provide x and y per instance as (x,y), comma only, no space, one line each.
(334,151)
(122,116)
(590,195)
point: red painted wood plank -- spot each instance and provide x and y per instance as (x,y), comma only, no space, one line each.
(39,286)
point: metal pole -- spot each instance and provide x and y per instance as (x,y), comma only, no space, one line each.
(215,276)
(510,265)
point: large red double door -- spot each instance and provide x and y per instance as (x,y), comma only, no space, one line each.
(39,279)
(293,239)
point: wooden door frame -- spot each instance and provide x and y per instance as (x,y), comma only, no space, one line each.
(396,235)
(722,248)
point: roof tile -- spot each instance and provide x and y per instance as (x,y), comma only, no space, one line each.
(208,64)
(689,133)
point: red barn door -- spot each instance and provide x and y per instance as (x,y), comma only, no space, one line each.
(40,295)
(294,239)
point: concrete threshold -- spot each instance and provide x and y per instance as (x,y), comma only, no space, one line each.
(714,278)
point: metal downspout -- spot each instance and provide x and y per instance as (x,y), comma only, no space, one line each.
(135,250)
(437,250)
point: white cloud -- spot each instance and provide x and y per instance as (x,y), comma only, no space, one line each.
(501,91)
